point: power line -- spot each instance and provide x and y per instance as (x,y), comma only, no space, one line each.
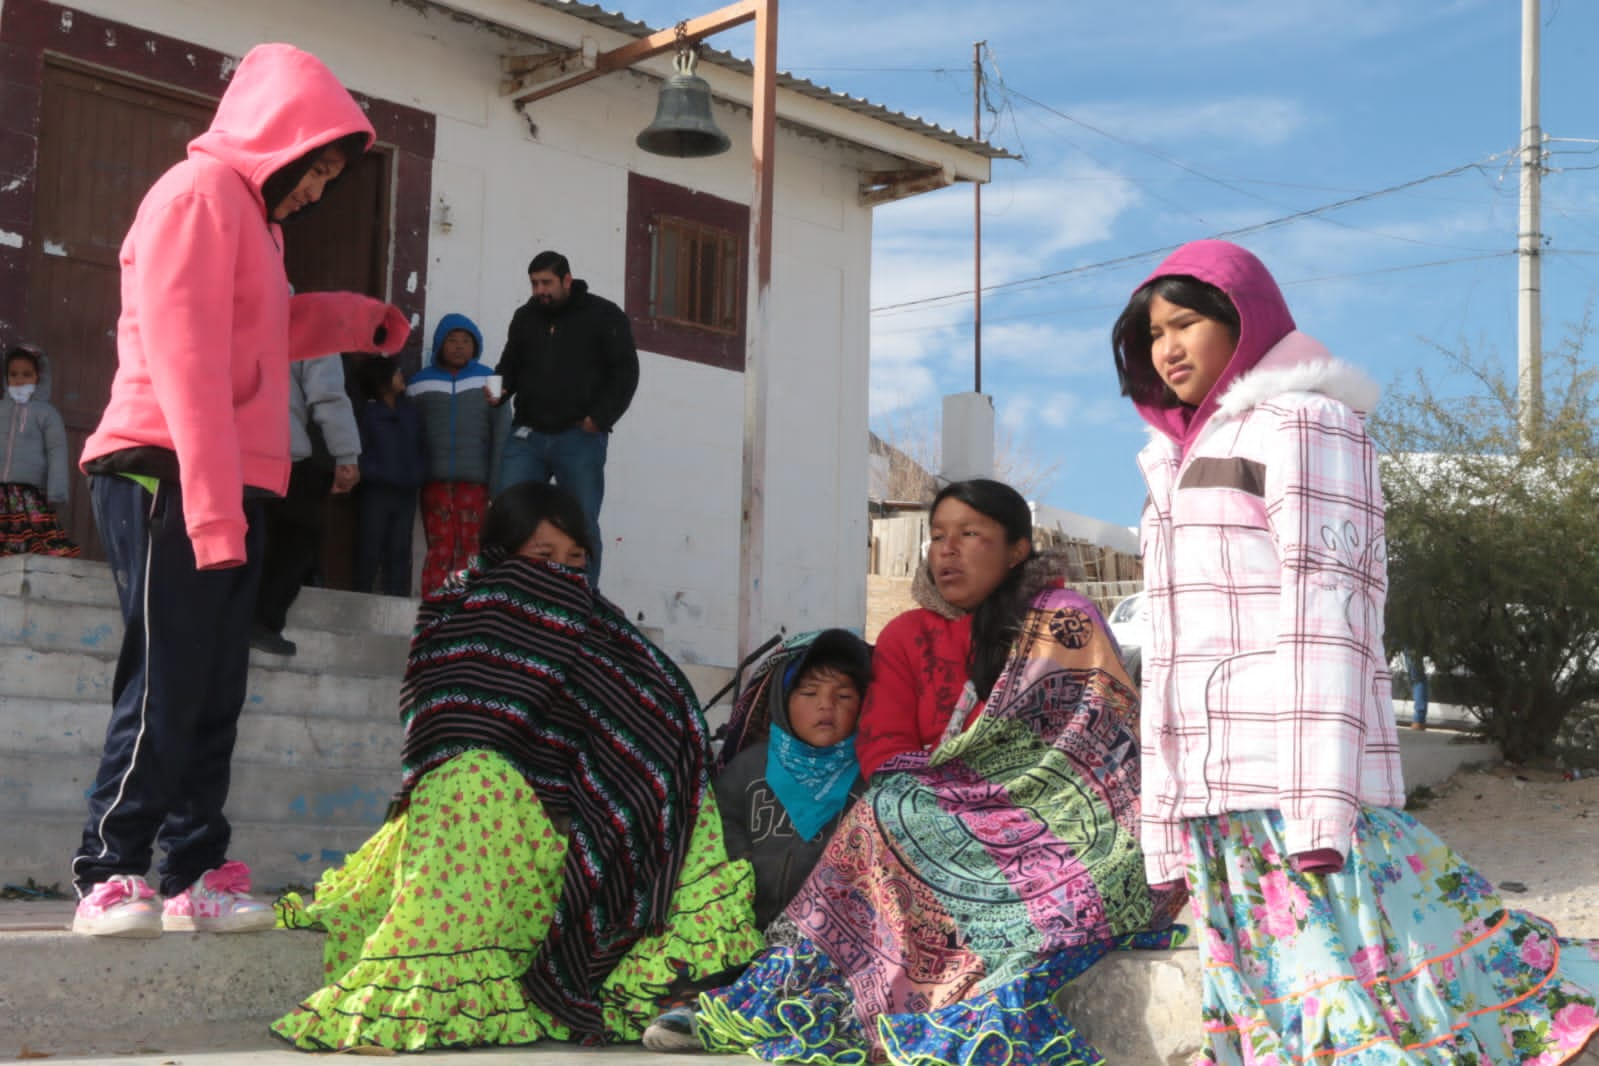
(1213,179)
(1059,312)
(1241,231)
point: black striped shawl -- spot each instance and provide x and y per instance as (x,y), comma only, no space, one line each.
(522,658)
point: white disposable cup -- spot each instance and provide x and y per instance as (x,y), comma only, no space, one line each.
(496,385)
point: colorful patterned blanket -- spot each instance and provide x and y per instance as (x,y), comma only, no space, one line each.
(971,881)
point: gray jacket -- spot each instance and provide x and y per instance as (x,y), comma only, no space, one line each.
(33,440)
(316,391)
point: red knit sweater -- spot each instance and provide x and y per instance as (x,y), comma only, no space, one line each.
(918,673)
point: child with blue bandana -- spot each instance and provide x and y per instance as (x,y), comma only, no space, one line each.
(780,799)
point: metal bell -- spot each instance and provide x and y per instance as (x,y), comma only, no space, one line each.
(683,125)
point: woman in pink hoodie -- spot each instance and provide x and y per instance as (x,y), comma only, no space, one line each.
(1334,927)
(195,436)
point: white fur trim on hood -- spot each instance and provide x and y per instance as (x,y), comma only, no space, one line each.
(1298,363)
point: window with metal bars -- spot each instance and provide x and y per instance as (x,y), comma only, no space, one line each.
(694,275)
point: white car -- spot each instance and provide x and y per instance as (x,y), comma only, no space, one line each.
(1129,624)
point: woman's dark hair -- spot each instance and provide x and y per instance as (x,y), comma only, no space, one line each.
(375,373)
(351,146)
(1131,343)
(998,619)
(21,352)
(517,512)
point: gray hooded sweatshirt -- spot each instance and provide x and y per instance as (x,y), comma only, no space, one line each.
(33,440)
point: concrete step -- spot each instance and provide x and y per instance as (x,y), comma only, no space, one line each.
(83,676)
(309,740)
(95,629)
(32,785)
(42,846)
(80,581)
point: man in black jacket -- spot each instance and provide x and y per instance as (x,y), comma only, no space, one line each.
(571,368)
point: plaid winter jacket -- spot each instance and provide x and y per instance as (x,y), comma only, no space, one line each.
(1265,681)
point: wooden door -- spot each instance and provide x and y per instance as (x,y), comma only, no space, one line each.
(102,143)
(342,243)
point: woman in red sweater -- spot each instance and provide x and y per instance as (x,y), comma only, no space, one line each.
(980,535)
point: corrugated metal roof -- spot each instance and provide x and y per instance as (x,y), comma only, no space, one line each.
(859,105)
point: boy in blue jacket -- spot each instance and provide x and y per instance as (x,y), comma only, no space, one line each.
(458,424)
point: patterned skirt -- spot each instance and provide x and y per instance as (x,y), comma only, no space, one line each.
(795,1005)
(1406,956)
(28,525)
(431,924)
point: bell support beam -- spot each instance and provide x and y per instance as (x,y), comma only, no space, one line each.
(758,338)
(885,186)
(655,44)
(521,72)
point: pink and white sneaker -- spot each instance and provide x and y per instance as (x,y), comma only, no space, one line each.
(121,906)
(219,902)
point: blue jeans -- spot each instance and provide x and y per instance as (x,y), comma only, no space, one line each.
(1417,669)
(177,693)
(575,458)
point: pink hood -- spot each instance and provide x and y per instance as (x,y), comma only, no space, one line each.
(281,103)
(1263,321)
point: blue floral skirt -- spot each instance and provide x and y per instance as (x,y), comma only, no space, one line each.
(1406,956)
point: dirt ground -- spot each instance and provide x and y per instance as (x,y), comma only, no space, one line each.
(1517,826)
(1527,827)
(885,598)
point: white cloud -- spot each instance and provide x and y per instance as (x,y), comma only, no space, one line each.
(1259,121)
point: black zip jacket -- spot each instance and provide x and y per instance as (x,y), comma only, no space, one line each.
(572,362)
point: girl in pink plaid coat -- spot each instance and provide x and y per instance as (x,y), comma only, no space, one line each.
(1334,927)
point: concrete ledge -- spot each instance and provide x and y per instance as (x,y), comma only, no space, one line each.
(73,993)
(66,995)
(63,993)
(1139,1008)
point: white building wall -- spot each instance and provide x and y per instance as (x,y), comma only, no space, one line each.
(670,519)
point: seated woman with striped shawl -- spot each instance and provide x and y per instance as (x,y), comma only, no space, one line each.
(554,862)
(994,855)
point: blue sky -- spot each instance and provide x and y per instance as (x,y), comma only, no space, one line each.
(1149,123)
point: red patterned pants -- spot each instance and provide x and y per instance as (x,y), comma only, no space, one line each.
(452,511)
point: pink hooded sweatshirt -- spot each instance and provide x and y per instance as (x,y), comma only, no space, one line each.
(208,323)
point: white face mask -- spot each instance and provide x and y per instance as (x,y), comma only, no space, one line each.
(21,393)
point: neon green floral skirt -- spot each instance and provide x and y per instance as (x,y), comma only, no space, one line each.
(431,924)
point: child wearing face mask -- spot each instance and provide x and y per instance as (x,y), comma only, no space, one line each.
(33,460)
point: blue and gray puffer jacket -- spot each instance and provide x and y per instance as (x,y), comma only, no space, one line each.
(457,420)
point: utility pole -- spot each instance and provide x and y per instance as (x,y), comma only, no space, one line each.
(977,220)
(1529,244)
